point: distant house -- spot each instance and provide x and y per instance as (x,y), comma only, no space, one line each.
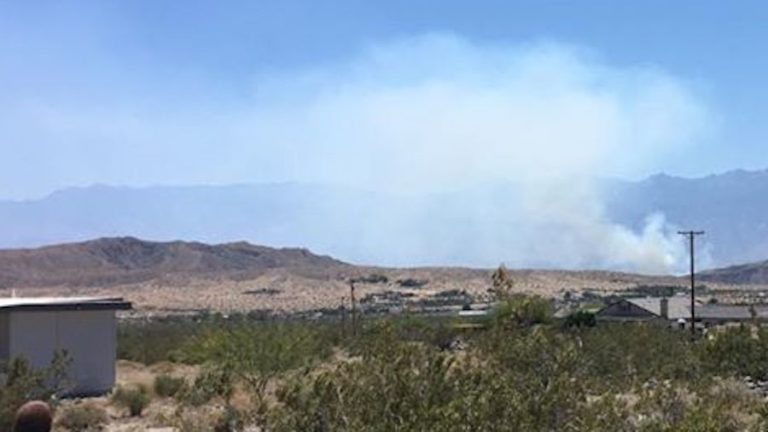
(85,327)
(646,309)
(723,313)
(678,309)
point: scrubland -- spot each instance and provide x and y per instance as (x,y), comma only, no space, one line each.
(517,369)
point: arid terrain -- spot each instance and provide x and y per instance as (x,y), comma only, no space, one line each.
(182,277)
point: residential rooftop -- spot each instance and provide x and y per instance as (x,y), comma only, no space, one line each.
(63,303)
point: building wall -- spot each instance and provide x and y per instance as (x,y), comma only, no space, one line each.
(4,335)
(88,336)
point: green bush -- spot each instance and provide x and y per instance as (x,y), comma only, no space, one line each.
(23,383)
(523,310)
(168,386)
(82,418)
(519,372)
(153,341)
(134,399)
(213,381)
(580,319)
(738,351)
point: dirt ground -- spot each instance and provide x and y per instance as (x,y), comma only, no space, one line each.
(160,414)
(280,290)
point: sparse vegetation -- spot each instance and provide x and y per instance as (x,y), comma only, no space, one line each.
(168,386)
(521,370)
(21,383)
(580,319)
(133,399)
(83,417)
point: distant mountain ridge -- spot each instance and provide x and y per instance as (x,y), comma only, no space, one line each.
(743,274)
(732,208)
(127,260)
(109,261)
(465,228)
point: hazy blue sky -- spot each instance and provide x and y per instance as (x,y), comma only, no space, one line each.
(181,92)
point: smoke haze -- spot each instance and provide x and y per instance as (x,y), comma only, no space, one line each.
(433,115)
(438,113)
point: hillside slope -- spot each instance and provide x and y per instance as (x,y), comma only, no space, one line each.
(110,261)
(752,273)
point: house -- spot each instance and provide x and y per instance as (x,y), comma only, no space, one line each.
(646,309)
(725,313)
(85,327)
(678,309)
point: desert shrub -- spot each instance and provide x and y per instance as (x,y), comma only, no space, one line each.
(157,340)
(23,383)
(267,345)
(213,381)
(134,399)
(168,386)
(737,351)
(518,372)
(722,406)
(82,418)
(580,319)
(400,387)
(230,420)
(518,309)
(432,331)
(622,356)
(410,386)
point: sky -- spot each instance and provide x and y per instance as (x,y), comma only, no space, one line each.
(396,95)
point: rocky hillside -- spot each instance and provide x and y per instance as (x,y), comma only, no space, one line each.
(111,261)
(752,273)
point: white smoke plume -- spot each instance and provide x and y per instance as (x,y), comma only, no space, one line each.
(490,150)
(438,113)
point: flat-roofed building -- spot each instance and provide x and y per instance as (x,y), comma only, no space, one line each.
(85,327)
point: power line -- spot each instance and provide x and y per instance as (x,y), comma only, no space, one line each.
(691,235)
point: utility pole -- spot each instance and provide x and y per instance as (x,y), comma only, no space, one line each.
(343,313)
(691,235)
(354,308)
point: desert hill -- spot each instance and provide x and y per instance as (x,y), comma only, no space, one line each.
(751,273)
(181,277)
(122,260)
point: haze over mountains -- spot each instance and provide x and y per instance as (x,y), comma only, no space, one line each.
(474,227)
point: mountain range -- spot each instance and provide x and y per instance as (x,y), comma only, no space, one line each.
(731,208)
(117,261)
(127,260)
(384,229)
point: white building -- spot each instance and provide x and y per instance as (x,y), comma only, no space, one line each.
(85,327)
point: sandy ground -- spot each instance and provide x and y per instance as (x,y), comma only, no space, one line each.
(291,293)
(159,414)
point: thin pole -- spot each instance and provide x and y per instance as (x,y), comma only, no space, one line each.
(343,310)
(691,235)
(354,308)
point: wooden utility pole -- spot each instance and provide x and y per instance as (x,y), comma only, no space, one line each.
(354,308)
(691,235)
(343,317)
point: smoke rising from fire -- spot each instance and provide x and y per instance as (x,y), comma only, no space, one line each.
(439,114)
